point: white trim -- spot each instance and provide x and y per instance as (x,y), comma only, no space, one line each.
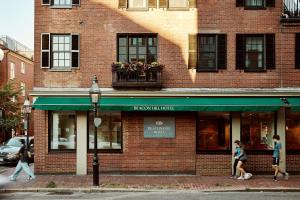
(45,4)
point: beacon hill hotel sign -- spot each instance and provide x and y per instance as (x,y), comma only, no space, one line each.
(159,127)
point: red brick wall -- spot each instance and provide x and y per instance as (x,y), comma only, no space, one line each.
(45,161)
(213,164)
(293,163)
(98,34)
(153,155)
(139,154)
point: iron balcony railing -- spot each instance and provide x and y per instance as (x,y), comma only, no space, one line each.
(291,11)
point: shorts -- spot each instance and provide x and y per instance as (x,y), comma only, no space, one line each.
(275,161)
(243,161)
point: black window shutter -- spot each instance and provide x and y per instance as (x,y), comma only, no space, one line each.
(270,3)
(152,3)
(192,51)
(222,51)
(122,3)
(75,2)
(75,50)
(52,2)
(45,2)
(240,51)
(45,50)
(297,51)
(193,3)
(270,51)
(163,3)
(239,3)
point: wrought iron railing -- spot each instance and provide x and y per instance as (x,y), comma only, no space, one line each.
(291,10)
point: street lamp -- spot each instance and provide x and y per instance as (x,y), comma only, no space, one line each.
(95,95)
(27,111)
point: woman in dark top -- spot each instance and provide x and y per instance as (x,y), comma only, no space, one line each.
(22,164)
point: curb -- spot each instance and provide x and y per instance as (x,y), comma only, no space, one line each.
(96,190)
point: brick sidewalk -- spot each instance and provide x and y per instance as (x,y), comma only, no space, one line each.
(151,182)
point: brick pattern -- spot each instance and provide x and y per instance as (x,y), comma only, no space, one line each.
(293,164)
(98,31)
(213,164)
(152,155)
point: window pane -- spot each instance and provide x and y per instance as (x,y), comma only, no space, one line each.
(254,52)
(142,58)
(122,41)
(257,3)
(137,3)
(133,41)
(109,134)
(207,60)
(55,63)
(122,50)
(152,41)
(55,47)
(292,129)
(257,130)
(123,58)
(177,3)
(132,58)
(63,133)
(142,50)
(213,131)
(132,50)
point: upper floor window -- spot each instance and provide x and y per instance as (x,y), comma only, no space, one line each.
(207,52)
(22,67)
(60,51)
(255,52)
(145,4)
(23,89)
(132,48)
(61,3)
(12,70)
(255,4)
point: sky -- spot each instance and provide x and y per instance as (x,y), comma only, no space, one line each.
(17,20)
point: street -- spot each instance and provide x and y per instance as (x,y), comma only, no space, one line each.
(180,195)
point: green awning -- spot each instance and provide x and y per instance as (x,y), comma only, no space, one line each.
(294,103)
(161,104)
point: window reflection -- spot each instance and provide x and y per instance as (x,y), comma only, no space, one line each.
(292,128)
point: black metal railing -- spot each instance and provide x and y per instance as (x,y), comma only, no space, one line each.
(291,10)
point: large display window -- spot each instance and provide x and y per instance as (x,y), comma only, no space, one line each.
(292,130)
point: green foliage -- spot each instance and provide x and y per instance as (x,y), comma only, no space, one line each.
(12,111)
(51,184)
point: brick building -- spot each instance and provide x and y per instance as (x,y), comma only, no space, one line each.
(231,71)
(17,68)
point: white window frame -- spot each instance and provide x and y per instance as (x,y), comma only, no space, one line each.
(12,70)
(23,66)
(137,8)
(186,7)
(69,51)
(23,89)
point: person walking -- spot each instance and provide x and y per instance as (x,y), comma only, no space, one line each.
(22,164)
(242,159)
(236,155)
(277,158)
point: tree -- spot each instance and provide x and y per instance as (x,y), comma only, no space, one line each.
(9,95)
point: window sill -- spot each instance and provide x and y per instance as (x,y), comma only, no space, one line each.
(255,70)
(113,151)
(57,151)
(137,9)
(61,7)
(60,70)
(206,70)
(255,8)
(179,9)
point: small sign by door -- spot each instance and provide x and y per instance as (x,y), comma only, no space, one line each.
(159,127)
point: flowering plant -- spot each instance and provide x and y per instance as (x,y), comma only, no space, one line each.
(136,67)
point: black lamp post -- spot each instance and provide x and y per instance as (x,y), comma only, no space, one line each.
(2,126)
(95,95)
(27,111)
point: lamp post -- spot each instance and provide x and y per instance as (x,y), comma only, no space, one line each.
(95,95)
(27,111)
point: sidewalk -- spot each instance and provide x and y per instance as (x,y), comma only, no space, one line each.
(146,183)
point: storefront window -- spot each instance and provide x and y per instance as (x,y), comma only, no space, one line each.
(109,134)
(213,131)
(257,130)
(292,130)
(63,131)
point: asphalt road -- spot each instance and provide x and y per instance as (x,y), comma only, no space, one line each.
(180,195)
